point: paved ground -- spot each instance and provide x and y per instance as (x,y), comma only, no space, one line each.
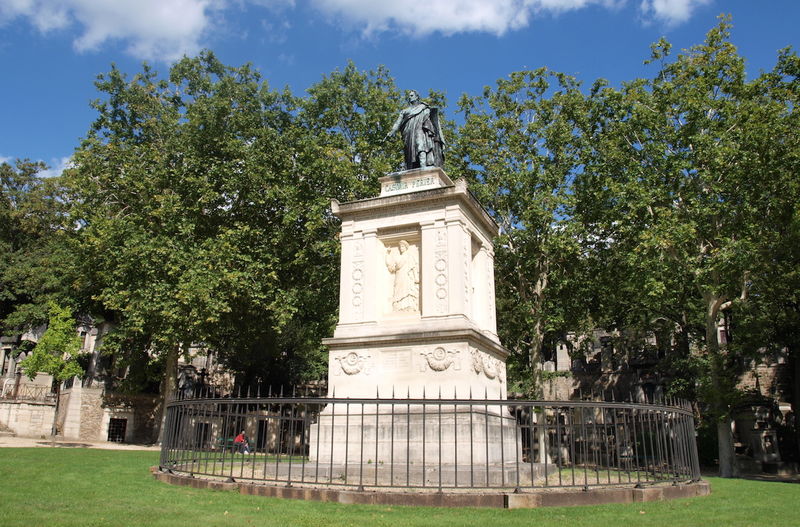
(9,441)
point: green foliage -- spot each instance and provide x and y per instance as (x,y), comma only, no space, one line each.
(204,205)
(519,148)
(32,248)
(646,210)
(348,112)
(56,353)
(550,375)
(688,176)
(198,211)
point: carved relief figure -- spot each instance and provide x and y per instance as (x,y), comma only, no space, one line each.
(404,266)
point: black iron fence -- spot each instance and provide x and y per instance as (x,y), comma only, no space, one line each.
(430,443)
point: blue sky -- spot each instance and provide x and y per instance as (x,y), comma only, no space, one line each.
(52,50)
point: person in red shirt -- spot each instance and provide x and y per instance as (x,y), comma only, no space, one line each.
(240,443)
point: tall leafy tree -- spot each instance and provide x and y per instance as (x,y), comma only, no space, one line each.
(520,145)
(32,245)
(769,321)
(348,112)
(203,204)
(185,193)
(688,173)
(335,152)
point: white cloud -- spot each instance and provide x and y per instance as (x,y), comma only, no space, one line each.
(57,165)
(152,29)
(670,11)
(422,17)
(44,15)
(273,4)
(167,29)
(277,32)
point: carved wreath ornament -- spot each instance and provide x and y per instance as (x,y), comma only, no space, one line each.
(489,366)
(352,363)
(439,359)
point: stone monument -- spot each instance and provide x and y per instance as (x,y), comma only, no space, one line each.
(416,321)
(416,304)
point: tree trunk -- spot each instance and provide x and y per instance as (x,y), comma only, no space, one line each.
(719,406)
(682,338)
(169,386)
(537,339)
(727,465)
(541,433)
(54,428)
(794,356)
(537,332)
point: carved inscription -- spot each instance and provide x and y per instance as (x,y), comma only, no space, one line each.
(397,360)
(410,185)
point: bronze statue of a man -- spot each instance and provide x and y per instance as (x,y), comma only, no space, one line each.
(423,142)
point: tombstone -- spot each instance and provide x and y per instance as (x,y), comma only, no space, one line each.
(416,320)
(563,361)
(606,354)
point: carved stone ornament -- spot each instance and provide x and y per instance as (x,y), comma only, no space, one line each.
(477,362)
(353,363)
(440,255)
(489,366)
(439,359)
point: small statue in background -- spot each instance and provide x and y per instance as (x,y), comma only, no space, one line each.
(423,142)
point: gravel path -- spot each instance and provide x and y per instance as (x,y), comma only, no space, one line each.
(12,441)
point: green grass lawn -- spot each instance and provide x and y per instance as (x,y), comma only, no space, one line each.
(54,487)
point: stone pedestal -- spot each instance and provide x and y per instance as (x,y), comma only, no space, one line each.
(415,434)
(416,320)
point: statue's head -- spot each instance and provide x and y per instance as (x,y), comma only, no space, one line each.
(403,246)
(412,96)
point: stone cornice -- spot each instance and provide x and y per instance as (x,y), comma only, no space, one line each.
(402,338)
(457,192)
